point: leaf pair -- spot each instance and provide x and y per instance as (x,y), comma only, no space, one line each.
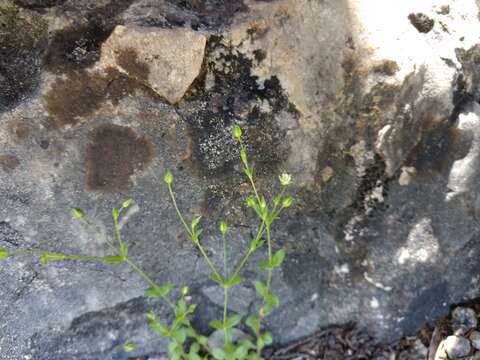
(234,280)
(230,322)
(275,261)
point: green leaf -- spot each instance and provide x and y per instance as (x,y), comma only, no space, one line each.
(77,213)
(248,171)
(191,308)
(278,258)
(233,320)
(195,221)
(159,329)
(287,202)
(216,324)
(218,353)
(174,350)
(3,254)
(253,322)
(261,289)
(241,352)
(180,335)
(272,300)
(128,347)
(194,348)
(159,292)
(218,279)
(267,338)
(151,315)
(234,280)
(115,213)
(114,259)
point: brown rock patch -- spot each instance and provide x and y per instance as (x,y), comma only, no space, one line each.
(8,162)
(113,155)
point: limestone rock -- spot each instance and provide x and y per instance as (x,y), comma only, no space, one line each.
(166,60)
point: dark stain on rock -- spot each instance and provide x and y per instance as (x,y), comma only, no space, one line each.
(38,4)
(74,97)
(441,144)
(128,60)
(421,22)
(113,155)
(23,39)
(78,46)
(236,96)
(75,48)
(210,14)
(8,162)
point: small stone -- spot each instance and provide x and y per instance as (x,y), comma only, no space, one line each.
(475,339)
(166,60)
(463,319)
(421,22)
(457,347)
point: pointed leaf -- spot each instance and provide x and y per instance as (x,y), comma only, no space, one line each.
(114,259)
(261,289)
(159,292)
(216,324)
(195,221)
(234,280)
(3,254)
(218,353)
(233,320)
(218,279)
(278,258)
(158,328)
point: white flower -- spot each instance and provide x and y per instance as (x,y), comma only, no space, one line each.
(285,179)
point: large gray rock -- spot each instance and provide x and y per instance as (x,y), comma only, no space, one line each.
(376,120)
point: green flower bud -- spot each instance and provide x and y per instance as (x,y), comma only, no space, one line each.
(126,204)
(223,227)
(168,178)
(77,213)
(185,291)
(237,132)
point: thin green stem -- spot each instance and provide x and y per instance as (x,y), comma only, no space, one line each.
(118,235)
(174,201)
(147,279)
(250,251)
(226,331)
(225,291)
(190,234)
(250,177)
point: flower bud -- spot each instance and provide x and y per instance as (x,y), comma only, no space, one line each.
(168,178)
(223,227)
(237,132)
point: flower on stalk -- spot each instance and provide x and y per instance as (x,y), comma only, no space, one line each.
(285,179)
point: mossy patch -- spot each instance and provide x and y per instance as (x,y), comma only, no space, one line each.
(22,42)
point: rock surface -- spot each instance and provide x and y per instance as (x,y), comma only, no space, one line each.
(376,120)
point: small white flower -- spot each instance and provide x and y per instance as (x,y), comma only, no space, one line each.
(285,179)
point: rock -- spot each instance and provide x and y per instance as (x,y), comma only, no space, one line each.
(383,146)
(463,319)
(456,347)
(421,22)
(475,339)
(166,60)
